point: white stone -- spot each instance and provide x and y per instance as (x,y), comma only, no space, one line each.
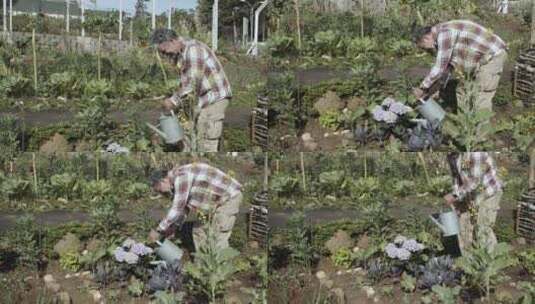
(48,279)
(321,275)
(68,276)
(97,296)
(344,132)
(370,292)
(356,249)
(339,272)
(326,135)
(306,137)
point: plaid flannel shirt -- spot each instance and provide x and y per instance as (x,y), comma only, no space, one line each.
(463,45)
(478,175)
(198,185)
(202,73)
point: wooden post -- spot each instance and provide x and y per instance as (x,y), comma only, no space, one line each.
(153,14)
(303,171)
(11,16)
(531,182)
(97,166)
(365,165)
(34,62)
(298,21)
(169,15)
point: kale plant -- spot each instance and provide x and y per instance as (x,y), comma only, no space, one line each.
(483,268)
(437,271)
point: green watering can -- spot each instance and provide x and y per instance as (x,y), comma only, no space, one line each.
(448,222)
(168,251)
(431,110)
(171,131)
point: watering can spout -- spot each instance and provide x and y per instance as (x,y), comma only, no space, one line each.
(158,131)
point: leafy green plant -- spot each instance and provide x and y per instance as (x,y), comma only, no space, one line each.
(283,184)
(447,295)
(104,216)
(332,182)
(100,88)
(92,120)
(137,90)
(15,86)
(403,187)
(25,240)
(168,297)
(64,185)
(70,261)
(528,295)
(299,241)
(400,47)
(331,120)
(527,260)
(212,266)
(136,190)
(282,46)
(342,258)
(96,190)
(365,189)
(361,46)
(13,187)
(521,128)
(9,132)
(135,288)
(483,268)
(408,282)
(469,129)
(63,84)
(439,185)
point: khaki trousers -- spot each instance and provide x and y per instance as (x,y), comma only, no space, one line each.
(210,126)
(487,78)
(477,221)
(223,222)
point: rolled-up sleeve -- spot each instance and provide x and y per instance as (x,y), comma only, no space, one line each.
(180,202)
(473,178)
(446,43)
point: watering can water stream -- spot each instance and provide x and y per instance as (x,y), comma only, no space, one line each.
(171,131)
(448,222)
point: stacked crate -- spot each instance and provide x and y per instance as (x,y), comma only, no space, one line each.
(259,126)
(525,216)
(524,78)
(258,219)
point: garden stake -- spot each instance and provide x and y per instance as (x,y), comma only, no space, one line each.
(365,166)
(303,172)
(34,61)
(97,165)
(34,175)
(421,156)
(298,22)
(531,182)
(98,54)
(361,18)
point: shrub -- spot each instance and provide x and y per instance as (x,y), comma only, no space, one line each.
(100,88)
(15,86)
(63,84)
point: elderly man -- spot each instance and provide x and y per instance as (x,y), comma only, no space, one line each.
(466,47)
(199,187)
(476,196)
(202,75)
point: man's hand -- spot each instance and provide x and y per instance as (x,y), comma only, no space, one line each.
(450,199)
(168,104)
(418,93)
(154,236)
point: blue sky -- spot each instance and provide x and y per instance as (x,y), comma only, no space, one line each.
(161,5)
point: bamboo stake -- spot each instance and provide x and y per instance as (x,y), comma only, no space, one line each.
(97,166)
(298,21)
(421,157)
(303,171)
(277,165)
(160,64)
(365,166)
(361,18)
(99,54)
(34,62)
(35,186)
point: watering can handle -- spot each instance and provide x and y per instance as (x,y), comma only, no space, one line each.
(172,113)
(155,129)
(436,222)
